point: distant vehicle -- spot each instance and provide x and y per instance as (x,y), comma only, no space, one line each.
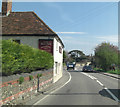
(70,66)
(87,68)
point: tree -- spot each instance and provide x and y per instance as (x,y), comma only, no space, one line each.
(65,56)
(106,55)
(77,55)
(119,60)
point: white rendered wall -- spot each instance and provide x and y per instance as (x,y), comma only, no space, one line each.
(28,40)
(58,57)
(33,42)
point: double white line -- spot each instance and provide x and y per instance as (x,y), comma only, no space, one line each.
(93,78)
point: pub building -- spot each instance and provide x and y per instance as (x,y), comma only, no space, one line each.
(27,28)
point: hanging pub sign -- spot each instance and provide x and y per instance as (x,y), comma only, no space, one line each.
(46,44)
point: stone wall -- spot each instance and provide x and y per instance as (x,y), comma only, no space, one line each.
(14,93)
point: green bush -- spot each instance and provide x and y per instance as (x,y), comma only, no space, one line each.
(114,72)
(0,56)
(18,58)
(106,55)
(30,77)
(21,80)
(39,75)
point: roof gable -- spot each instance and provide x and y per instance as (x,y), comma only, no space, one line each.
(24,23)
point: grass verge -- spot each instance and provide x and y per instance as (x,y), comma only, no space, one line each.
(110,71)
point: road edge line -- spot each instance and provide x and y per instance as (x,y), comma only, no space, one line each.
(113,96)
(70,77)
(117,78)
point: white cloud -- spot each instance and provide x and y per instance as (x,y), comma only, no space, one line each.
(71,33)
(86,43)
(71,40)
(67,37)
(111,39)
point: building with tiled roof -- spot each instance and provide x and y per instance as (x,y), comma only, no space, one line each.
(28,28)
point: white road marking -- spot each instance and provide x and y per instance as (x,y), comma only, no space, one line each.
(100,83)
(110,76)
(54,90)
(92,77)
(114,78)
(113,96)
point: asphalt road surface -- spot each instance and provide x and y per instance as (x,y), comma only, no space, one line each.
(84,89)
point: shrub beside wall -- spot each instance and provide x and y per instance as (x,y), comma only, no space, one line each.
(22,89)
(19,58)
(0,56)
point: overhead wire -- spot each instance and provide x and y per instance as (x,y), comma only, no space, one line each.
(79,16)
(84,18)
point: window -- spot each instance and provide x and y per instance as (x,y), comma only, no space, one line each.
(56,46)
(56,67)
(60,49)
(59,68)
(17,41)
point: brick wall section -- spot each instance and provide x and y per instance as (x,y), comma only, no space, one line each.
(14,93)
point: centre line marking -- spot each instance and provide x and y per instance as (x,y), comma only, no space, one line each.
(100,83)
(113,96)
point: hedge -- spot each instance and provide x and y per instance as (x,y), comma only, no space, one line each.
(0,56)
(19,58)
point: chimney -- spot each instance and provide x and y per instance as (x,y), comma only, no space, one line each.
(6,7)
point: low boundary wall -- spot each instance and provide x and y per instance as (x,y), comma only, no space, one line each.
(14,93)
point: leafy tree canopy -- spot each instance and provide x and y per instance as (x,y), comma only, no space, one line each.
(77,55)
(106,55)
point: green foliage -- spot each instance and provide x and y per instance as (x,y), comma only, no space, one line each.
(106,55)
(119,60)
(64,54)
(21,80)
(117,71)
(30,77)
(18,58)
(77,55)
(0,55)
(114,72)
(39,75)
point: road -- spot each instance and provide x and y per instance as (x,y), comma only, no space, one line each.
(84,89)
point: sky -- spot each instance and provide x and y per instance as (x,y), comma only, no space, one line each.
(80,25)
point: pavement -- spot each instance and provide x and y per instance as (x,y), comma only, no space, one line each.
(80,90)
(51,88)
(108,74)
(88,88)
(111,75)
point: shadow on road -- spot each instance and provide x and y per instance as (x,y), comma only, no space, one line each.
(90,71)
(71,94)
(103,93)
(116,92)
(82,71)
(74,71)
